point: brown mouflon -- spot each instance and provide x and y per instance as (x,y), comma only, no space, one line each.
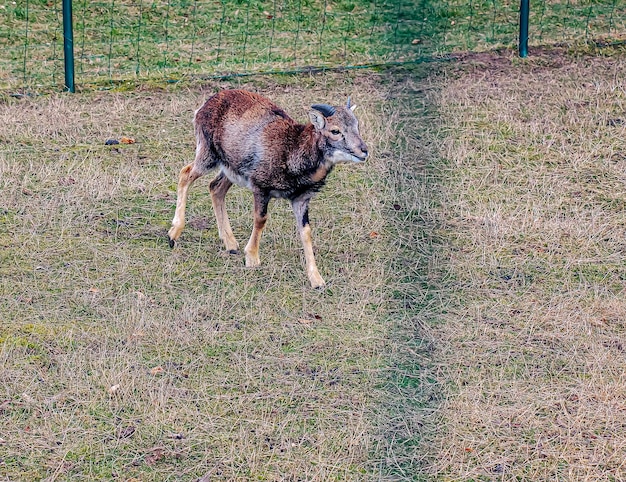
(255,144)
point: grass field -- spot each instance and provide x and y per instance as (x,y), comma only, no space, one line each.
(474,323)
(533,356)
(122,358)
(125,40)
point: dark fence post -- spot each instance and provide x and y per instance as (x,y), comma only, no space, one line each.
(68,45)
(524,13)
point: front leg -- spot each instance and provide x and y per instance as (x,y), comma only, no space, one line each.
(301,211)
(261,201)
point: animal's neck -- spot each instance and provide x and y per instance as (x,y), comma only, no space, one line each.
(310,158)
(321,172)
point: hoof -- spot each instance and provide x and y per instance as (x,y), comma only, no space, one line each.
(172,242)
(318,284)
(315,279)
(233,251)
(253,263)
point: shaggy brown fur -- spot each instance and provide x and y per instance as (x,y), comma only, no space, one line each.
(257,145)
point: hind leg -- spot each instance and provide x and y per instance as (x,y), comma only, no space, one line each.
(218,188)
(188,175)
(261,201)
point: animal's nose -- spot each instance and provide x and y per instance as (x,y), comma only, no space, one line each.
(364,151)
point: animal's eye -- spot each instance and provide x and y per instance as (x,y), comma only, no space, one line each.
(335,132)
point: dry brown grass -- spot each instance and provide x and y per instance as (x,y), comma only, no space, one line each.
(533,356)
(122,358)
(473,327)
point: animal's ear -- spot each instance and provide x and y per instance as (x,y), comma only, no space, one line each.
(317,119)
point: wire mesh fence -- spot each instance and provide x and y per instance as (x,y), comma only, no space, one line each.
(115,40)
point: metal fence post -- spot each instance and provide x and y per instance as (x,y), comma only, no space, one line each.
(524,13)
(68,45)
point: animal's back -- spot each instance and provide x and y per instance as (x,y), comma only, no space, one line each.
(231,118)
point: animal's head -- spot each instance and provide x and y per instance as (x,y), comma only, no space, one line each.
(339,129)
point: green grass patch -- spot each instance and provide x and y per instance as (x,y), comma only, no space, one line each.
(472,325)
(118,43)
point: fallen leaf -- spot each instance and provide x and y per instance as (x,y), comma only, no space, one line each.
(126,431)
(66,181)
(137,335)
(55,398)
(113,389)
(157,454)
(373,234)
(127,140)
(157,370)
(94,290)
(416,41)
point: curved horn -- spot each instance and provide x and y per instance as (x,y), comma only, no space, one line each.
(325,109)
(348,104)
